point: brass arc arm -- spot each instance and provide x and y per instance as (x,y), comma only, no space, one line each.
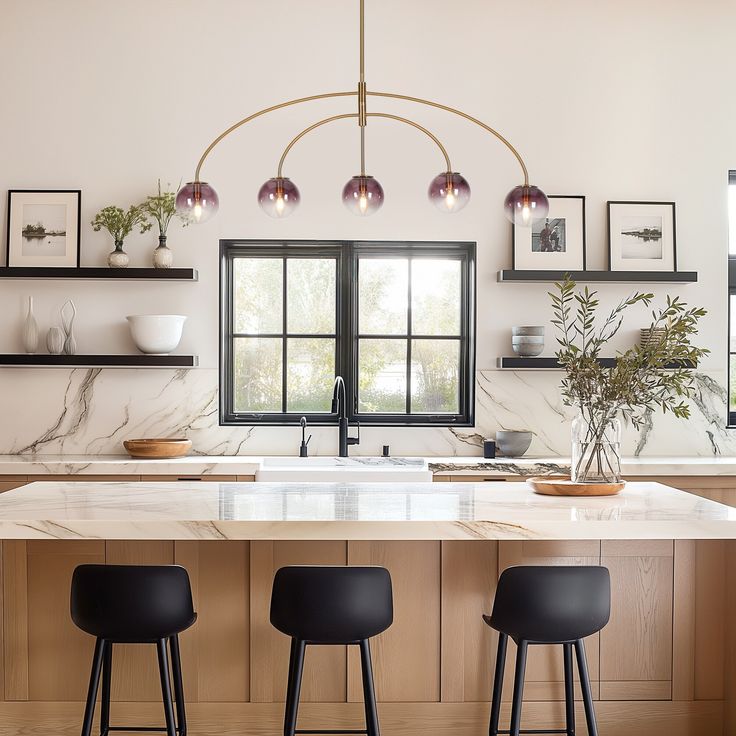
(258,114)
(331,119)
(462,114)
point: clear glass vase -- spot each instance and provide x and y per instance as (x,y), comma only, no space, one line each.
(596,449)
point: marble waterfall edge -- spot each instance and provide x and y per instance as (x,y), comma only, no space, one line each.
(91,411)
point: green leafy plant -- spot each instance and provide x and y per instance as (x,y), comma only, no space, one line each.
(644,378)
(120,223)
(161,208)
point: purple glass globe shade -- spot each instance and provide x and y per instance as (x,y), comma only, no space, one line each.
(197,201)
(363,195)
(278,197)
(526,204)
(449,192)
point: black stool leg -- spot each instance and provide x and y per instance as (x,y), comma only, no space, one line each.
(569,691)
(515,727)
(585,685)
(498,684)
(369,694)
(181,717)
(105,699)
(294,686)
(163,668)
(94,683)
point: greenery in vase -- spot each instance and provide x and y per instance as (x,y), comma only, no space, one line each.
(640,381)
(161,208)
(120,223)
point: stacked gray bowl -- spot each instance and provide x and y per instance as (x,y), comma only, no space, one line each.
(527,341)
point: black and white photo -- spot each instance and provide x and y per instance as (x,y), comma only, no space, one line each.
(641,236)
(43,228)
(555,243)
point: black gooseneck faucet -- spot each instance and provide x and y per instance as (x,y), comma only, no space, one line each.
(339,401)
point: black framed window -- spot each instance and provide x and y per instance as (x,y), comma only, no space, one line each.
(732,298)
(395,320)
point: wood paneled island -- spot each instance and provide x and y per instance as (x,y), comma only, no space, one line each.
(664,664)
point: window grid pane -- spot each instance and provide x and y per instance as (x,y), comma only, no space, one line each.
(411,353)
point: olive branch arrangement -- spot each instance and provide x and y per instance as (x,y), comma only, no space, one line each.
(644,378)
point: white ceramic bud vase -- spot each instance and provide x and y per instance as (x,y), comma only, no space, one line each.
(55,340)
(163,256)
(30,330)
(68,313)
(118,258)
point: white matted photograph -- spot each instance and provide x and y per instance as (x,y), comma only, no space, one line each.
(641,236)
(43,228)
(555,243)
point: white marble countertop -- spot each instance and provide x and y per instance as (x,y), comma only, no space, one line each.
(249,465)
(271,511)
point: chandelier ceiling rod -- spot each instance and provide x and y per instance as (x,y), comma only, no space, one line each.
(197,200)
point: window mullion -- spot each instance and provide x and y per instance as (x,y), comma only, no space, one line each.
(284,355)
(349,323)
(409,327)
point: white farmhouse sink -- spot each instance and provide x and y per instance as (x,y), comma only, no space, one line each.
(344,469)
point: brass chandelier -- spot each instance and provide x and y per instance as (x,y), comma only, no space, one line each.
(197,201)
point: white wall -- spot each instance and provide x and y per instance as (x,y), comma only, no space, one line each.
(613,100)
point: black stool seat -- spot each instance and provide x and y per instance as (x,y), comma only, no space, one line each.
(134,605)
(129,603)
(548,605)
(331,605)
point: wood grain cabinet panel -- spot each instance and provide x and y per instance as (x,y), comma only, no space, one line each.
(45,656)
(216,650)
(469,575)
(325,666)
(406,657)
(636,646)
(545,669)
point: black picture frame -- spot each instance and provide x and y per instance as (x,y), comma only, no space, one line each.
(582,266)
(75,219)
(666,266)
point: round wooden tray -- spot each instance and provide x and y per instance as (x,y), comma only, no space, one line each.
(154,449)
(560,485)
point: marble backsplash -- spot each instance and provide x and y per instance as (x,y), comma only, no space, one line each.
(91,411)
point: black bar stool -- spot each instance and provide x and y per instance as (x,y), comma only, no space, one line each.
(331,605)
(548,605)
(133,605)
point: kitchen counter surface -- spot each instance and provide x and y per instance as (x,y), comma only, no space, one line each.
(248,465)
(363,511)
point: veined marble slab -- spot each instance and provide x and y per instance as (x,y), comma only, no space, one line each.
(249,465)
(366,511)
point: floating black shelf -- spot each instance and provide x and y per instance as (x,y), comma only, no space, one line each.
(552,364)
(611,277)
(99,361)
(100,274)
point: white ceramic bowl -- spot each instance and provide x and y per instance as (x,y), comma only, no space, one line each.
(156,334)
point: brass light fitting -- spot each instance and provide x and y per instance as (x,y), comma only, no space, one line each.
(362,194)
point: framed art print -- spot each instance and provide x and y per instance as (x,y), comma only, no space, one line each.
(556,243)
(44,228)
(641,236)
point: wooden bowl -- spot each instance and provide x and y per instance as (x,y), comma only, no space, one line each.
(158,448)
(560,485)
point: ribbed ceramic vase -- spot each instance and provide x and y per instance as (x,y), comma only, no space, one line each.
(30,330)
(163,256)
(55,340)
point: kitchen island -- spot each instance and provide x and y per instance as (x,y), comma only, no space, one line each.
(664,664)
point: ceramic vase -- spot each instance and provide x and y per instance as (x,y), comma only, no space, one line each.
(55,340)
(30,330)
(163,257)
(68,314)
(118,258)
